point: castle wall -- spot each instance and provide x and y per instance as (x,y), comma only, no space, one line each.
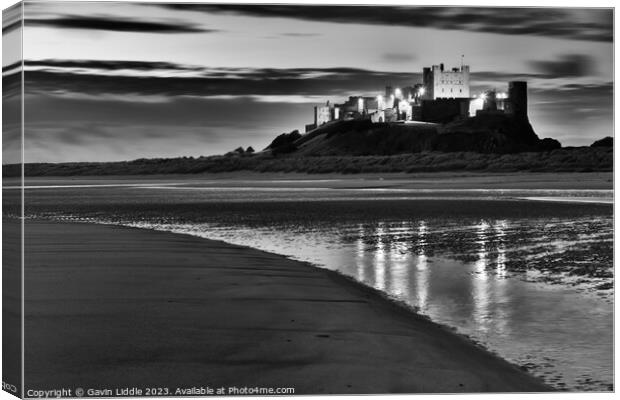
(322,115)
(444,110)
(404,110)
(377,116)
(371,104)
(390,115)
(416,113)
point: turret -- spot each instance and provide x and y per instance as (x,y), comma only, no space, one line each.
(517,100)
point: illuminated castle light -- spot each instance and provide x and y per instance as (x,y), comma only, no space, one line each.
(444,95)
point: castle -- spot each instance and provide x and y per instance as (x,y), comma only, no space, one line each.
(443,96)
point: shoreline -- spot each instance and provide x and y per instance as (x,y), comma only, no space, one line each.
(419,180)
(281,322)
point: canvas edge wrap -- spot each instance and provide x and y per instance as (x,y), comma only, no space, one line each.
(12,200)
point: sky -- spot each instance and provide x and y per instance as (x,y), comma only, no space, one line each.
(121,81)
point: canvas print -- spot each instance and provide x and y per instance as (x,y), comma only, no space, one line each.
(306,199)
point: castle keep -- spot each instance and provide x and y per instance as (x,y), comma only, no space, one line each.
(441,83)
(443,96)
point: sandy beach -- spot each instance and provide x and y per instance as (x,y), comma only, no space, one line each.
(421,180)
(111,307)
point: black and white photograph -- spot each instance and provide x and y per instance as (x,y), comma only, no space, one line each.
(306,198)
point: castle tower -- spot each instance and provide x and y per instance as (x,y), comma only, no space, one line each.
(517,99)
(427,81)
(440,82)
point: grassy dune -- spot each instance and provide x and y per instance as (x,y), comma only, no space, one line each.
(580,159)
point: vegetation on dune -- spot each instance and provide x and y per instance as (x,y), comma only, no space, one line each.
(284,143)
(577,159)
(364,138)
(604,142)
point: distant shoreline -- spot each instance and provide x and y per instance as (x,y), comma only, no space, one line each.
(446,180)
(577,159)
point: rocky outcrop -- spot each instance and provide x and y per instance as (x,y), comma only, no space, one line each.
(499,133)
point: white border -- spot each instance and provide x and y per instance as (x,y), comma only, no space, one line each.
(487,3)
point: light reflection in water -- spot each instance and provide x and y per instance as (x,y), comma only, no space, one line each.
(500,234)
(481,242)
(422,275)
(380,256)
(360,254)
(398,273)
(480,280)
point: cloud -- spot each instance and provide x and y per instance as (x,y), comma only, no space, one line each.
(398,57)
(571,23)
(114,24)
(299,34)
(569,65)
(152,79)
(109,65)
(159,82)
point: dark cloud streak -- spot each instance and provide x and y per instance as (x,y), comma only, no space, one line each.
(109,65)
(236,81)
(569,65)
(551,22)
(114,24)
(399,57)
(295,34)
(204,82)
(258,82)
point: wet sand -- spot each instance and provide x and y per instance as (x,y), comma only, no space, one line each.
(421,180)
(111,307)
